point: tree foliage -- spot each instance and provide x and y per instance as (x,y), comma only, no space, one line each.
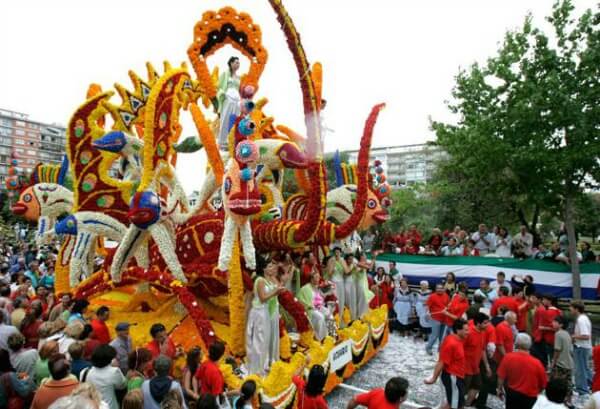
(527,132)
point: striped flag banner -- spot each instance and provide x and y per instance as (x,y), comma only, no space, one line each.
(549,277)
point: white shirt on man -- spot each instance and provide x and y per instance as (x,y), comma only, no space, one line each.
(106,380)
(480,245)
(583,326)
(527,241)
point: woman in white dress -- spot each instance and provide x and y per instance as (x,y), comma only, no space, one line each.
(350,292)
(228,96)
(336,271)
(403,305)
(314,302)
(363,294)
(422,310)
(262,329)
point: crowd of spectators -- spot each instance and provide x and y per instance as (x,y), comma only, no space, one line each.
(497,242)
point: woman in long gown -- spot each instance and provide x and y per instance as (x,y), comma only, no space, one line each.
(363,294)
(421,308)
(403,304)
(350,291)
(336,270)
(314,302)
(228,96)
(262,329)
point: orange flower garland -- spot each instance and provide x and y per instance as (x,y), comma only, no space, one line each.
(216,30)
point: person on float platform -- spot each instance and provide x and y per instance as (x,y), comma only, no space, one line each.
(363,294)
(262,330)
(451,365)
(350,292)
(336,270)
(228,96)
(314,303)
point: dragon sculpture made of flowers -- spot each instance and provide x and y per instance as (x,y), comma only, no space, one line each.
(190,267)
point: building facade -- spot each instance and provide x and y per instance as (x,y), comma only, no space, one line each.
(28,141)
(405,164)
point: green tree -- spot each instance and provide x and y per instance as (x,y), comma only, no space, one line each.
(528,127)
(414,204)
(587,211)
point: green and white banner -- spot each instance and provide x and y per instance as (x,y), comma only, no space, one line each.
(549,276)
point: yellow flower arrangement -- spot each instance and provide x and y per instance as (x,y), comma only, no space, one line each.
(280,376)
(231,380)
(285,346)
(237,316)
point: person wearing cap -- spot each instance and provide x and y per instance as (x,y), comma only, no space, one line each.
(123,345)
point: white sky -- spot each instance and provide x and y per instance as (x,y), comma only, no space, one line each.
(404,53)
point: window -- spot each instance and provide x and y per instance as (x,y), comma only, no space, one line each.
(31,161)
(32,134)
(6,141)
(19,141)
(30,152)
(21,151)
(20,123)
(4,151)
(6,122)
(19,132)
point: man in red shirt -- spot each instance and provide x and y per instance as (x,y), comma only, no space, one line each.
(488,383)
(458,305)
(544,336)
(451,365)
(395,392)
(436,304)
(505,299)
(521,377)
(99,326)
(474,346)
(522,310)
(161,343)
(208,374)
(504,336)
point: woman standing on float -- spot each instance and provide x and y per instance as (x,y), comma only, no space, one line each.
(228,96)
(262,330)
(363,294)
(336,270)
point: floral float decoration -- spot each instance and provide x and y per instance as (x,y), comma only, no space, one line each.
(190,267)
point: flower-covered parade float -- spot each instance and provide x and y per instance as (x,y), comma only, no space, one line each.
(192,268)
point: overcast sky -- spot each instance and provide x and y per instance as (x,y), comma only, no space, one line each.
(404,53)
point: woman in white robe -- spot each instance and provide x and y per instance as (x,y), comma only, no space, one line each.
(336,270)
(262,329)
(228,96)
(422,310)
(350,292)
(363,294)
